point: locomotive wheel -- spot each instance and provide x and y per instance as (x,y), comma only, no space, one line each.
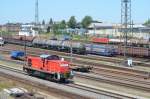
(30,72)
(63,80)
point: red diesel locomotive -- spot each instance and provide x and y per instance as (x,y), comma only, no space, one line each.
(50,67)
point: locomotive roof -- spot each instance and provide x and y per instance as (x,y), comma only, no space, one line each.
(51,60)
(50,57)
(44,56)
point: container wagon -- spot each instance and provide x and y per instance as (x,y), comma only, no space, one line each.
(100,40)
(102,50)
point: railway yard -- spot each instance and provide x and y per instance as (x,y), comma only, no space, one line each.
(99,56)
(94,76)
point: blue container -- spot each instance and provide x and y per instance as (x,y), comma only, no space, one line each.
(17,54)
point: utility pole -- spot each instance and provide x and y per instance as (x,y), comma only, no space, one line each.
(125,23)
(37,23)
(94,30)
(36,12)
(71,50)
(25,51)
(25,46)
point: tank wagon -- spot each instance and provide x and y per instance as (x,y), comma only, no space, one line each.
(49,67)
(19,40)
(60,45)
(103,50)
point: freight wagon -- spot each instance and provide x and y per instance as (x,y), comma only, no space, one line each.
(100,40)
(104,50)
(60,45)
(19,40)
(116,41)
(49,67)
(135,51)
(79,48)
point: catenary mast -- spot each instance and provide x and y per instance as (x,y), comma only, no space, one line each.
(125,22)
(36,12)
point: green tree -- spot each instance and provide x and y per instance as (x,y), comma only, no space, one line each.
(51,21)
(43,22)
(62,24)
(147,23)
(86,21)
(72,22)
(55,28)
(48,29)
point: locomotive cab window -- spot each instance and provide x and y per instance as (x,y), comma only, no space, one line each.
(50,57)
(53,57)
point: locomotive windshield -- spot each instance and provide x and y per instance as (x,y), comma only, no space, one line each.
(50,57)
(53,57)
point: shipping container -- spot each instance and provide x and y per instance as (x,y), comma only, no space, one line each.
(17,55)
(100,40)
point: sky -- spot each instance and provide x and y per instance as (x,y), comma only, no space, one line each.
(101,10)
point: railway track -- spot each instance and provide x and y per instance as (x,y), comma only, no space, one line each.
(86,63)
(106,68)
(135,84)
(103,94)
(121,76)
(111,69)
(90,57)
(124,79)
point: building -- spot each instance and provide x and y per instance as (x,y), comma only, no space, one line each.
(103,29)
(28,30)
(11,27)
(141,31)
(114,30)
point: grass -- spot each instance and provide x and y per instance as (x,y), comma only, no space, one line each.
(9,64)
(5,83)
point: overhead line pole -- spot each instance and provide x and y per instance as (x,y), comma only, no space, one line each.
(125,23)
(36,13)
